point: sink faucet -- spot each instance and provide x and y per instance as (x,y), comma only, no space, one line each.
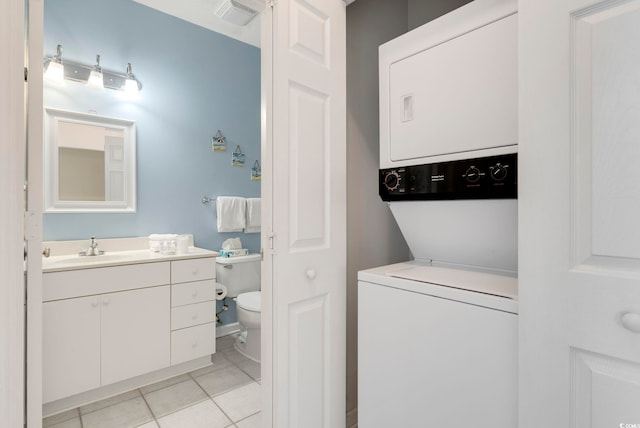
(92,251)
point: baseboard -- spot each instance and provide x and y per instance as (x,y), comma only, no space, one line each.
(63,404)
(352,418)
(226,329)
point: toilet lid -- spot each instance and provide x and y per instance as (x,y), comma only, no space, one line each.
(251,301)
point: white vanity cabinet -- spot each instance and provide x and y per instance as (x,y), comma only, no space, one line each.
(93,337)
(193,309)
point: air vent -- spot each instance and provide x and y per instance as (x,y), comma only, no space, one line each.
(239,12)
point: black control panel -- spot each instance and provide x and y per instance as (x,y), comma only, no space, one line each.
(494,177)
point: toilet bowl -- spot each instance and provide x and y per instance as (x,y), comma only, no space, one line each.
(249,313)
(241,276)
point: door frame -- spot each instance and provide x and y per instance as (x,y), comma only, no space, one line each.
(12,176)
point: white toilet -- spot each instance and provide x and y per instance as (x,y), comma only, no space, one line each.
(241,276)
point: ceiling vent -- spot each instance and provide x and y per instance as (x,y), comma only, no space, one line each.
(239,12)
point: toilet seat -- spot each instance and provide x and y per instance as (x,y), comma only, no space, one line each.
(251,301)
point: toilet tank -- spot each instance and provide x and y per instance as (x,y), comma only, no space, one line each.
(239,274)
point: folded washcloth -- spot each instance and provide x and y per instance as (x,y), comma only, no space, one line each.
(253,216)
(230,211)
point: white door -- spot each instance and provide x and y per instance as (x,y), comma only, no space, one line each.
(579,199)
(304,274)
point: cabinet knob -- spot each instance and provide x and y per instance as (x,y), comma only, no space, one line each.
(194,316)
(311,274)
(95,302)
(194,294)
(194,272)
(631,321)
(194,344)
(106,301)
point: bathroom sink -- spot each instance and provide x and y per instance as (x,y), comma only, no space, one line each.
(92,259)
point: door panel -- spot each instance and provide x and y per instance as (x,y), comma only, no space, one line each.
(579,278)
(306,270)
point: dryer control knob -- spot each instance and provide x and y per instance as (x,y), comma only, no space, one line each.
(498,172)
(472,174)
(392,180)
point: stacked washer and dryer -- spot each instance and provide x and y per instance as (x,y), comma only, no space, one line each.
(437,336)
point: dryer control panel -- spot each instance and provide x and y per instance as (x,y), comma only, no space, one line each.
(494,177)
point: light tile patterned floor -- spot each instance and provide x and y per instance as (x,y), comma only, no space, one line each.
(226,394)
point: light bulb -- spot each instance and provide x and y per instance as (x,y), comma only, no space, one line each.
(95,80)
(55,72)
(131,87)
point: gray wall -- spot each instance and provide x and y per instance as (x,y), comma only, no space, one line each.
(421,11)
(373,237)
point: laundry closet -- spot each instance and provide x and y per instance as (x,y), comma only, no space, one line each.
(448,171)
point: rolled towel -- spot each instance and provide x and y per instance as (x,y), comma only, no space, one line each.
(253,216)
(231,215)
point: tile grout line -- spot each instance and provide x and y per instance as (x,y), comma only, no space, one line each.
(212,400)
(153,415)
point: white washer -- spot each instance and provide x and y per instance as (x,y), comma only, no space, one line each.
(437,347)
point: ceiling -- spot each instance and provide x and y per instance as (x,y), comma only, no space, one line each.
(203,13)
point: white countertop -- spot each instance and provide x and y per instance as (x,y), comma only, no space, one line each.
(117,252)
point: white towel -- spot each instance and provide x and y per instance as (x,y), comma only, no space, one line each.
(253,216)
(231,213)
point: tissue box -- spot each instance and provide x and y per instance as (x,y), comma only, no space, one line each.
(234,253)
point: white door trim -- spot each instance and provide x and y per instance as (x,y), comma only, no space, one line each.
(12,172)
(33,227)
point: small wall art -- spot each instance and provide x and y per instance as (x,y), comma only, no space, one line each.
(256,171)
(237,158)
(218,142)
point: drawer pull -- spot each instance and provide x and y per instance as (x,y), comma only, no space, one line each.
(194,294)
(194,316)
(194,272)
(631,321)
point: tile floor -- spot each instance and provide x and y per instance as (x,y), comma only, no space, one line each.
(226,394)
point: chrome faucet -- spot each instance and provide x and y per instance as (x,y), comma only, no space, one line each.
(92,251)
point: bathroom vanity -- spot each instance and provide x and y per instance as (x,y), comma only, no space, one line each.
(124,319)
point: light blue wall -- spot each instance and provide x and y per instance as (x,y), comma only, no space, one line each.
(195,82)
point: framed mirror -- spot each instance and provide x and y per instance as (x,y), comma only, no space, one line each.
(89,163)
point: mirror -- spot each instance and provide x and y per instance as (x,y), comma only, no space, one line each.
(89,163)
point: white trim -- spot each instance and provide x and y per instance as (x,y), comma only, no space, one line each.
(227,329)
(266,192)
(12,173)
(33,229)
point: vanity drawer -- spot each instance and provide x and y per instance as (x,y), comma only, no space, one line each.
(193,270)
(86,282)
(193,342)
(193,292)
(190,315)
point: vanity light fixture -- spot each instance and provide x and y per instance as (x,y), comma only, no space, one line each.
(54,70)
(96,79)
(91,75)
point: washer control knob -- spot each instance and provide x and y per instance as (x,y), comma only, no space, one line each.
(498,172)
(392,180)
(472,174)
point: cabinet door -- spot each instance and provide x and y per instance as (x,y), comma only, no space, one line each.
(135,333)
(71,347)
